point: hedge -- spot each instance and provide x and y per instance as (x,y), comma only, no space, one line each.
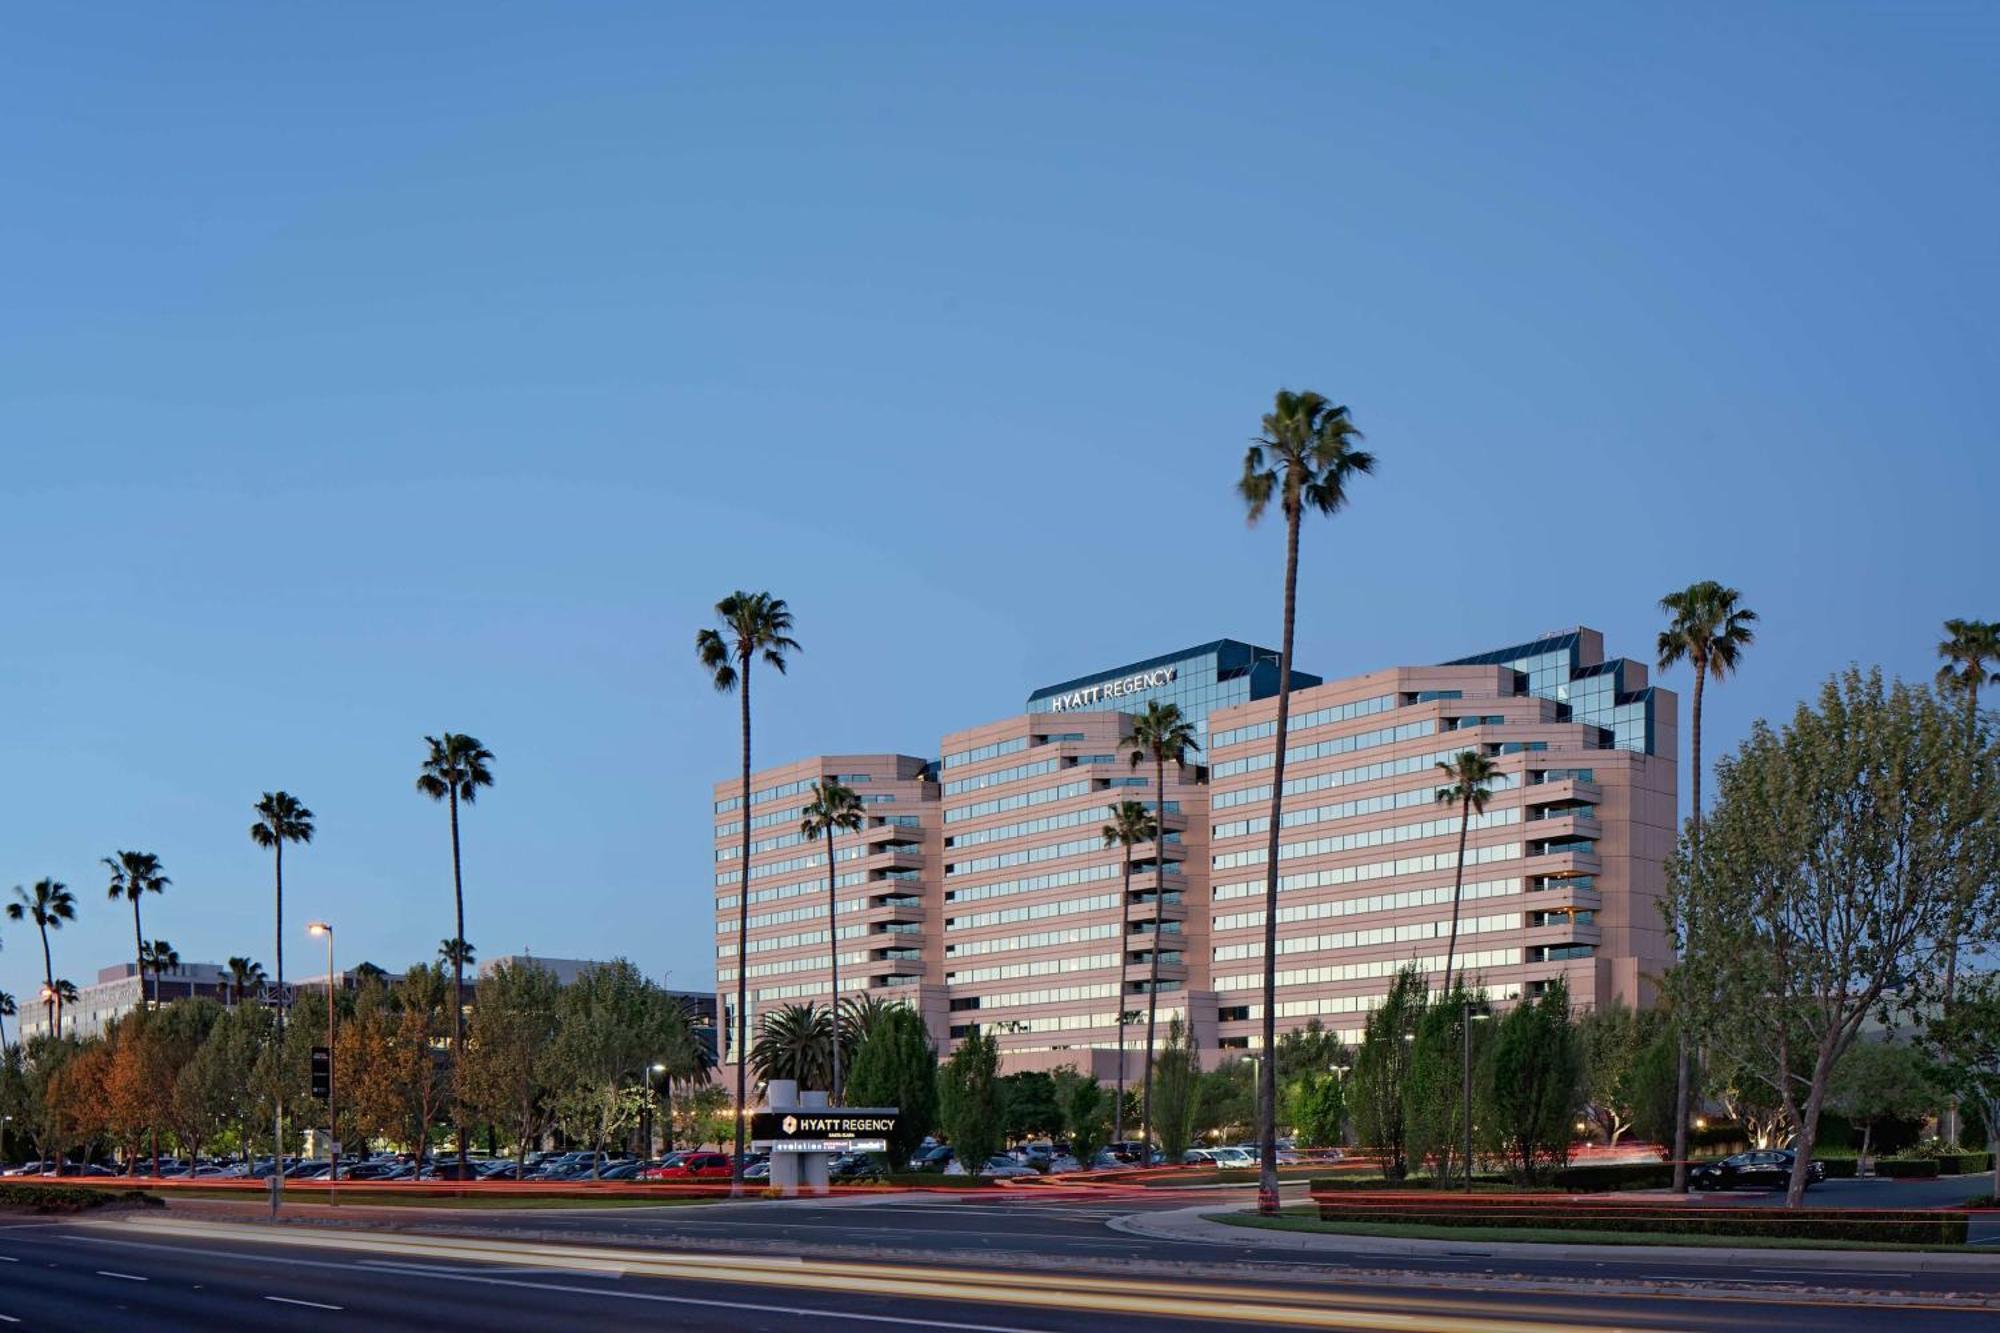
(66,1198)
(1907,1168)
(1909,1226)
(1602,1176)
(1838,1168)
(1964,1163)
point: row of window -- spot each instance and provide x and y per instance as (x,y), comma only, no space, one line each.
(765,795)
(790,864)
(997,748)
(1046,939)
(1000,777)
(1318,717)
(1019,800)
(816,962)
(1364,939)
(1000,916)
(1059,879)
(1049,851)
(1376,902)
(1376,837)
(1341,777)
(1360,740)
(1046,824)
(1380,967)
(1039,967)
(777,892)
(760,920)
(1407,865)
(1102,990)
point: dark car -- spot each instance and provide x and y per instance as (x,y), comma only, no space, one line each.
(1763,1168)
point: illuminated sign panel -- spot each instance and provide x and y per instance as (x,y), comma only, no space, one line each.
(1114,689)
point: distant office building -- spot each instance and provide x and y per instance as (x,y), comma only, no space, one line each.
(982,890)
(117,992)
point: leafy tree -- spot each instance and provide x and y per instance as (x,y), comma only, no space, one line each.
(1382,1070)
(454,769)
(133,875)
(1835,860)
(1966,1039)
(858,1016)
(510,1075)
(48,907)
(794,1041)
(1226,1100)
(1654,1083)
(1708,628)
(1970,653)
(7,1010)
(1613,1036)
(1176,1084)
(897,1066)
(1028,1105)
(1881,1080)
(1434,1081)
(1161,734)
(1086,1113)
(613,1023)
(1311,1049)
(1131,824)
(969,1101)
(832,810)
(753,625)
(1318,1108)
(683,1060)
(1533,1082)
(1305,460)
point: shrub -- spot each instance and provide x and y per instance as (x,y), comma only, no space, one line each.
(67,1198)
(1907,1226)
(1615,1176)
(1837,1168)
(1907,1168)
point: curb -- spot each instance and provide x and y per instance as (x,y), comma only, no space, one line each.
(1192,1224)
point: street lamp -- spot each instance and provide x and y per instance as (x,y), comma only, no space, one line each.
(1465,1043)
(332,1134)
(653,1072)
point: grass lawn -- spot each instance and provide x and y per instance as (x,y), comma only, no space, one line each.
(1307,1219)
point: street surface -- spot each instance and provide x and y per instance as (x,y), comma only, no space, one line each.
(1016,1261)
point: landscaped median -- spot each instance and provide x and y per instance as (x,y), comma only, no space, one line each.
(35,1197)
(1498,1212)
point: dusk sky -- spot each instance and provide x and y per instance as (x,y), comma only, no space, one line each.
(371,370)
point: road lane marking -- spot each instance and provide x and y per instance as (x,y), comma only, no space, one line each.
(5,1260)
(8,1319)
(122,1277)
(315,1305)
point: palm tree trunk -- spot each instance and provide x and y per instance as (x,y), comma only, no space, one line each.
(832,941)
(743,950)
(1458,882)
(139,952)
(1124,942)
(1683,1075)
(457,983)
(278,1092)
(49,988)
(1267,1073)
(1159,907)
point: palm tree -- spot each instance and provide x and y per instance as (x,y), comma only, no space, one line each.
(48,907)
(683,1059)
(459,953)
(7,1010)
(1131,824)
(133,875)
(1708,629)
(281,818)
(156,957)
(1468,772)
(832,809)
(1305,460)
(753,625)
(794,1041)
(1160,733)
(453,771)
(65,994)
(859,1015)
(244,973)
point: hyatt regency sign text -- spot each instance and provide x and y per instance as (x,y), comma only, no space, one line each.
(1113,689)
(819,1129)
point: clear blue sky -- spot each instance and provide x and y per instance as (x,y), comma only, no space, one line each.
(372,370)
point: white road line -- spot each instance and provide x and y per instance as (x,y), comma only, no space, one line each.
(5,1260)
(315,1305)
(8,1319)
(122,1277)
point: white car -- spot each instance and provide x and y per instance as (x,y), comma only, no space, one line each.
(1219,1157)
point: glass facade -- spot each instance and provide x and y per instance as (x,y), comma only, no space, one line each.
(1604,694)
(1198,680)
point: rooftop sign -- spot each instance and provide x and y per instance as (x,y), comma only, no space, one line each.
(1113,689)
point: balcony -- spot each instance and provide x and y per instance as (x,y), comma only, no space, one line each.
(1172,968)
(900,856)
(1561,861)
(1148,910)
(896,911)
(891,962)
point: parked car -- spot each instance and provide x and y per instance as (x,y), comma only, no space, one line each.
(1217,1157)
(692,1166)
(1763,1168)
(938,1158)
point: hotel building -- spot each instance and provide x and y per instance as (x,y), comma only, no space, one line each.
(982,891)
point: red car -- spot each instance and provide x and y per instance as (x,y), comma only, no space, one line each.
(691,1166)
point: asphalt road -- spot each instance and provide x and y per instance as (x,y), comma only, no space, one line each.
(123,1276)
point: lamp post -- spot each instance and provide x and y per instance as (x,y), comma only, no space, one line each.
(652,1073)
(1465,1044)
(332,1134)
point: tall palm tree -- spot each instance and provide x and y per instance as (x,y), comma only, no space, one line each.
(1131,824)
(133,875)
(794,1041)
(832,809)
(1305,460)
(156,957)
(459,953)
(7,1010)
(281,818)
(1469,772)
(455,767)
(244,974)
(1160,734)
(752,625)
(1708,628)
(48,907)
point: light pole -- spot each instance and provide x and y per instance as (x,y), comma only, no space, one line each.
(1465,1044)
(332,1133)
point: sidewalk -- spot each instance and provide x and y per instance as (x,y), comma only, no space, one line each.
(1192,1225)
